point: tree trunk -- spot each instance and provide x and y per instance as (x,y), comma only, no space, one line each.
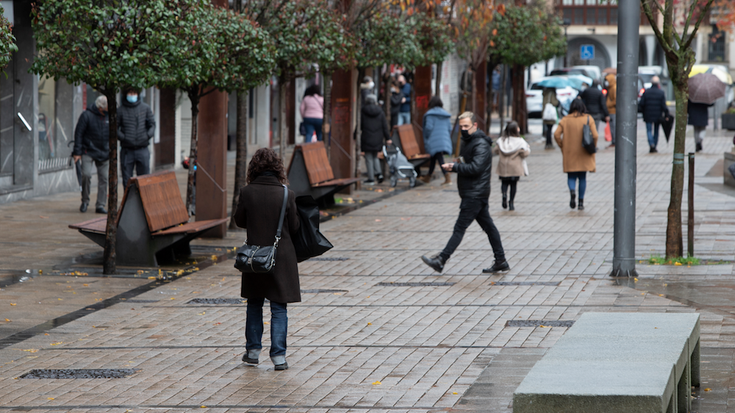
(358,128)
(489,100)
(241,157)
(674,244)
(190,183)
(501,98)
(438,80)
(387,85)
(109,260)
(282,122)
(327,107)
(519,98)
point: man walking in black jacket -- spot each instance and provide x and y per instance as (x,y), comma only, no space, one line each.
(596,104)
(653,106)
(136,126)
(473,183)
(92,147)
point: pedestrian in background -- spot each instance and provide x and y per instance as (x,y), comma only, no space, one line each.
(374,129)
(437,137)
(135,128)
(577,161)
(596,104)
(312,112)
(396,98)
(611,84)
(653,107)
(513,151)
(367,87)
(549,97)
(258,211)
(404,114)
(92,148)
(473,183)
(699,118)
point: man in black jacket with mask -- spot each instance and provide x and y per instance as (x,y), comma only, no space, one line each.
(135,127)
(92,147)
(473,183)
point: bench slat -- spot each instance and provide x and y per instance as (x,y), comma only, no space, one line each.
(409,144)
(343,181)
(162,201)
(93,225)
(191,227)
(317,162)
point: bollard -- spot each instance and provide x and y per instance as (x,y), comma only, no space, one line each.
(690,218)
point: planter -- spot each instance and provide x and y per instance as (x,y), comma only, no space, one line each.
(728,121)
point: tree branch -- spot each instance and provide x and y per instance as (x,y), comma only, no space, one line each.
(699,21)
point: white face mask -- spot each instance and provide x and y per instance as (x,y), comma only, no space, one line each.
(371,85)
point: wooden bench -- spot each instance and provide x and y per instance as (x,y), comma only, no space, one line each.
(617,362)
(410,145)
(310,173)
(152,223)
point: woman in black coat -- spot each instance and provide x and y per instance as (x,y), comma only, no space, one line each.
(699,118)
(374,129)
(258,211)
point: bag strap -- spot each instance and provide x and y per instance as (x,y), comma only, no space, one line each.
(283,214)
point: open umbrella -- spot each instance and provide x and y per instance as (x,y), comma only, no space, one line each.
(578,80)
(706,88)
(557,82)
(718,71)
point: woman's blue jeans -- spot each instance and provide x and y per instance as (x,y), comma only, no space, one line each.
(572,178)
(254,329)
(313,125)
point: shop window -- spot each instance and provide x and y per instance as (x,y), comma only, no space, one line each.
(716,45)
(55,124)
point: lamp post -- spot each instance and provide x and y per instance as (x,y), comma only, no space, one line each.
(566,23)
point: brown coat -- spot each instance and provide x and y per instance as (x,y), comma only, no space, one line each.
(258,211)
(612,93)
(512,164)
(576,158)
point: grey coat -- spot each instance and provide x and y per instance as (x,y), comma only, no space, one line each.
(258,212)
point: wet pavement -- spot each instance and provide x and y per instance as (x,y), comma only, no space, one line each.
(376,330)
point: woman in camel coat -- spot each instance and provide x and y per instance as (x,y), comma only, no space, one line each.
(577,161)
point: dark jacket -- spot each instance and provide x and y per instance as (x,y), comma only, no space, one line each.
(473,176)
(437,131)
(91,136)
(374,128)
(698,114)
(595,102)
(135,124)
(653,104)
(395,103)
(258,211)
(406,90)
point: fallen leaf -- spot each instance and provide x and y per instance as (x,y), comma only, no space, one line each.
(57,343)
(377,383)
(454,392)
(707,389)
(370,324)
(678,264)
(13,304)
(173,298)
(7,320)
(377,220)
(31,350)
(50,398)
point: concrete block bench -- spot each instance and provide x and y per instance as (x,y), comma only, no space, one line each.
(617,362)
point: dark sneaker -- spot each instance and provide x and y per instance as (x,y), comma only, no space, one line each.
(699,147)
(380,178)
(83,207)
(248,360)
(283,366)
(100,211)
(497,267)
(369,182)
(436,262)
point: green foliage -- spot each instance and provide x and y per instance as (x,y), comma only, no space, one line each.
(106,44)
(541,34)
(659,260)
(218,48)
(7,40)
(434,37)
(388,39)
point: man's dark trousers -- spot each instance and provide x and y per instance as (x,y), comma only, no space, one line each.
(471,209)
(137,159)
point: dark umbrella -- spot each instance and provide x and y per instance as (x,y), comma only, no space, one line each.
(706,88)
(667,122)
(77,166)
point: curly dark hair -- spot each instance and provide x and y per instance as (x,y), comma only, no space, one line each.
(266,159)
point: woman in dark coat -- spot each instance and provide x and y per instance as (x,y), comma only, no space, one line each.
(374,129)
(258,211)
(699,118)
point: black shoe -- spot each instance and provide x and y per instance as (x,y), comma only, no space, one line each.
(369,182)
(497,267)
(572,202)
(510,206)
(549,146)
(100,210)
(699,147)
(83,207)
(652,150)
(581,205)
(505,202)
(248,360)
(380,178)
(436,262)
(283,366)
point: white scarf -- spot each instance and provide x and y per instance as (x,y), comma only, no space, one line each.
(508,145)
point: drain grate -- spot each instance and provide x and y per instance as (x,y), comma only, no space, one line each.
(329,259)
(415,284)
(323,291)
(78,373)
(549,283)
(216,301)
(539,323)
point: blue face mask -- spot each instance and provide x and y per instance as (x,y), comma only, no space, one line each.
(132,98)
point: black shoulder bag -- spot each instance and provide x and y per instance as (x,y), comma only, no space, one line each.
(254,259)
(587,142)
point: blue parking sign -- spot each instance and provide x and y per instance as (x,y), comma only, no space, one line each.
(587,51)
